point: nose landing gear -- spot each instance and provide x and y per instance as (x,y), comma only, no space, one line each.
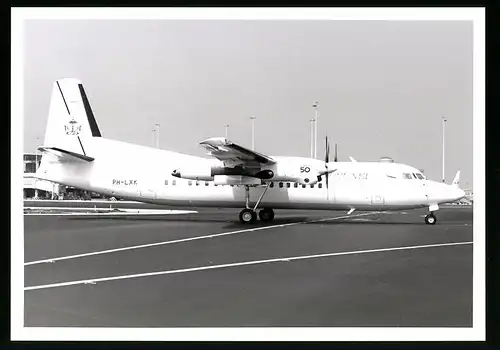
(248,215)
(430,219)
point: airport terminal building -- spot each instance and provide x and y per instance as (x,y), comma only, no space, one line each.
(39,189)
(33,188)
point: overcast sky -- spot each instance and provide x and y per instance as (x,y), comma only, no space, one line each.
(382,85)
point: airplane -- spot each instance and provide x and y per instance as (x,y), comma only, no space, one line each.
(74,153)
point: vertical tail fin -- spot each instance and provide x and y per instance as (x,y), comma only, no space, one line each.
(70,116)
(456,180)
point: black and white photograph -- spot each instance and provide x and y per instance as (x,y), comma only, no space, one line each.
(256,174)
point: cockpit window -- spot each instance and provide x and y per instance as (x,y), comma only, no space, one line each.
(420,176)
(406,176)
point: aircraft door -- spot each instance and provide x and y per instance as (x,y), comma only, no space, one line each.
(147,193)
(378,199)
(378,189)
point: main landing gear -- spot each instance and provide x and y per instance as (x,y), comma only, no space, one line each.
(249,215)
(430,219)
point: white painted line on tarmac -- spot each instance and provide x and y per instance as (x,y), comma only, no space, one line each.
(51,260)
(113,212)
(79,201)
(254,262)
(69,208)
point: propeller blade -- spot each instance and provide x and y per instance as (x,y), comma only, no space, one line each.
(327,159)
(327,150)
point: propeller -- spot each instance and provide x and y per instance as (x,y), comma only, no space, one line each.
(327,158)
(327,171)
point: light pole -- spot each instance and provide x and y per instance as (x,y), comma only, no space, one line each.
(227,127)
(312,137)
(253,132)
(36,167)
(315,106)
(36,155)
(444,123)
(158,135)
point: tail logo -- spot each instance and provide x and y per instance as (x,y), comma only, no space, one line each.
(72,128)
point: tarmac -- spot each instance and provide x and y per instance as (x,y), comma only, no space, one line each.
(206,269)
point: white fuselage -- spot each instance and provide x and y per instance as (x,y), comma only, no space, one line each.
(142,173)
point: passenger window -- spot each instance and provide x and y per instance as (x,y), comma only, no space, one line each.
(166,182)
(206,183)
(190,183)
(173,182)
(281,184)
(197,183)
(320,185)
(295,185)
(288,184)
(272,184)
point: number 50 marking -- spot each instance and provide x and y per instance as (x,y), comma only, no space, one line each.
(305,169)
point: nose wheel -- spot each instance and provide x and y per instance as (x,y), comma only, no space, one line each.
(430,219)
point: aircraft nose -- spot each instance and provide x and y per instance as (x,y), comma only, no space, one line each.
(455,193)
(459,193)
(443,193)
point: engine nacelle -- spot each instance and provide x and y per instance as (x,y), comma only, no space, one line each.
(207,172)
(203,173)
(236,180)
(293,170)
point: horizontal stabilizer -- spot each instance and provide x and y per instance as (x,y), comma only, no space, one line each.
(64,155)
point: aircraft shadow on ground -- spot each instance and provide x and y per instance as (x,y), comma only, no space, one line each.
(234,223)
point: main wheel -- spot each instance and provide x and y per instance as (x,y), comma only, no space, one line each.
(266,214)
(430,219)
(247,216)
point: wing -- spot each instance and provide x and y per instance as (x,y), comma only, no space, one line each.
(232,154)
